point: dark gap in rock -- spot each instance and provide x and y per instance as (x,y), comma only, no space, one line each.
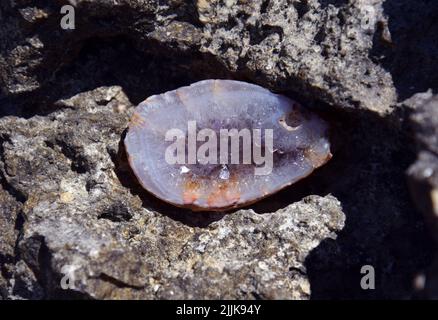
(186,11)
(257,34)
(256,295)
(116,213)
(90,184)
(409,52)
(302,7)
(229,24)
(20,221)
(242,15)
(37,257)
(5,259)
(16,194)
(335,3)
(79,163)
(264,6)
(297,271)
(320,36)
(118,283)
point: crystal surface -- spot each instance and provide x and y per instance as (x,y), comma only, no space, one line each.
(299,137)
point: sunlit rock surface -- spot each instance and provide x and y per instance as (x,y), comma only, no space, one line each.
(299,144)
(85,217)
(59,153)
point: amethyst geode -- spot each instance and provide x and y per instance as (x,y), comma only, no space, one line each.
(221,144)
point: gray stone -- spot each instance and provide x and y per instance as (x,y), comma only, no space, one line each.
(81,221)
(9,209)
(66,187)
(423,174)
(307,46)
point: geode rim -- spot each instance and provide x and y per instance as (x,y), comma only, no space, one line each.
(300,135)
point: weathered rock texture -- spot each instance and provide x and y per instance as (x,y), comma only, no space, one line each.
(81,220)
(314,47)
(68,197)
(423,174)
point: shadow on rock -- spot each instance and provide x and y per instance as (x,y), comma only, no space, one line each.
(367,175)
(411,55)
(141,72)
(382,228)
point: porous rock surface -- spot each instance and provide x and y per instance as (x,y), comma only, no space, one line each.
(315,47)
(70,204)
(78,216)
(423,174)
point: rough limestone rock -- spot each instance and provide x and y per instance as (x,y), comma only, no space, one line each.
(67,193)
(9,209)
(80,213)
(423,174)
(314,47)
(81,221)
